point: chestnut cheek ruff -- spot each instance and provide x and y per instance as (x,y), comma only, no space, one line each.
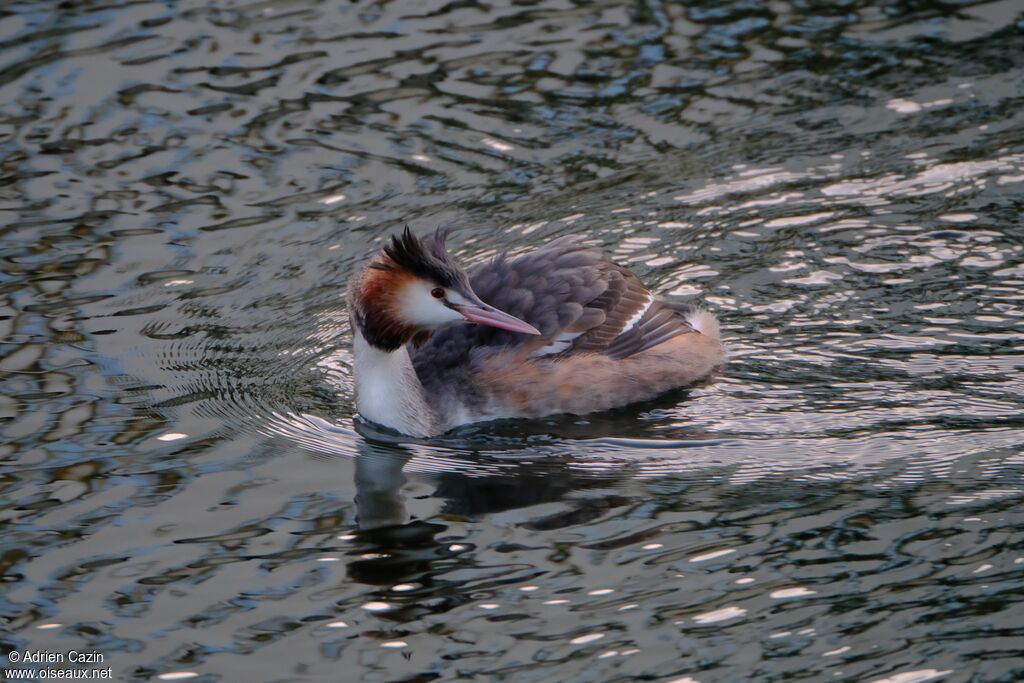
(385,333)
(374,306)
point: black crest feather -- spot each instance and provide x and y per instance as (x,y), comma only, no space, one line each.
(426,257)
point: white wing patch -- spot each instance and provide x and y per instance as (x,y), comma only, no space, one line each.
(564,340)
(638,316)
(558,344)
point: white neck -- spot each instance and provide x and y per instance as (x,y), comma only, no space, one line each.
(388,391)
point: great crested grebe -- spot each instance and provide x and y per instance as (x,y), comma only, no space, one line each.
(563,330)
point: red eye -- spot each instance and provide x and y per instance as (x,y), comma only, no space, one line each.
(437,293)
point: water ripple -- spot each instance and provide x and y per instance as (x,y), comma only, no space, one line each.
(187,187)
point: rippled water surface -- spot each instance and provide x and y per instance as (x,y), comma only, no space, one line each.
(185,187)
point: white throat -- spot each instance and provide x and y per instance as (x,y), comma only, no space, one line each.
(388,391)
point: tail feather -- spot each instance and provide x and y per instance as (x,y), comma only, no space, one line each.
(704,322)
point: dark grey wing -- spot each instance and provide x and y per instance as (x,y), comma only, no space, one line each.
(662,321)
(575,296)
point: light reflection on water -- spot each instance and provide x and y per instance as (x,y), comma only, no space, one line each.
(187,187)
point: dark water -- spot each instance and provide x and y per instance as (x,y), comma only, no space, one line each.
(185,187)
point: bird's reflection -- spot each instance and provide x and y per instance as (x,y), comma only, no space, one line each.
(395,548)
(379,481)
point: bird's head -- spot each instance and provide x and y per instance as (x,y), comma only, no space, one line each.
(413,287)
